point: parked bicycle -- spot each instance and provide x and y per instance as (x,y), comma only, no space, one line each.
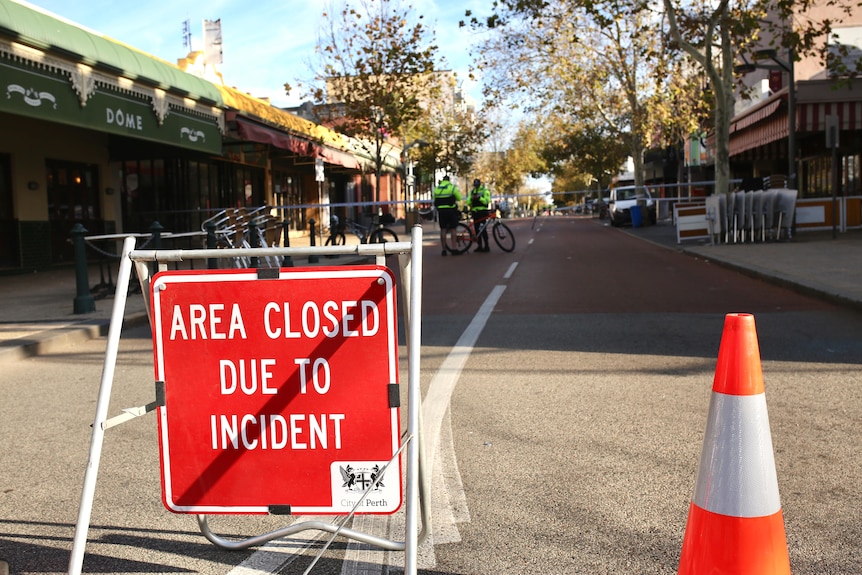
(242,228)
(467,231)
(377,233)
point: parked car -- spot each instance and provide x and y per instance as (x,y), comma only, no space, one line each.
(623,199)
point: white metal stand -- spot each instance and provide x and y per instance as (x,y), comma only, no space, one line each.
(417,494)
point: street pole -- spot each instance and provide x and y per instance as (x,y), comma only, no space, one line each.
(832,136)
(378,160)
(791,111)
(779,64)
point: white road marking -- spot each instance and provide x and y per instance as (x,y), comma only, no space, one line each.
(445,477)
(436,401)
(510,271)
(449,503)
(275,554)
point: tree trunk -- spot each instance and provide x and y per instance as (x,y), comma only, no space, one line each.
(724,106)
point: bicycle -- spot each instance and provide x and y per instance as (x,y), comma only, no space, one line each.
(241,228)
(376,234)
(459,239)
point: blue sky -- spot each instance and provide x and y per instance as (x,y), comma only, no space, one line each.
(265,43)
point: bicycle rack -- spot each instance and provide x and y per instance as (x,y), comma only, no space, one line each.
(417,491)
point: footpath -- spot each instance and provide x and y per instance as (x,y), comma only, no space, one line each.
(36,309)
(813,263)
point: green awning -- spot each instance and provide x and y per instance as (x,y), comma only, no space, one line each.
(42,31)
(48,95)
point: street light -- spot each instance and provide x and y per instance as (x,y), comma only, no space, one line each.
(771,54)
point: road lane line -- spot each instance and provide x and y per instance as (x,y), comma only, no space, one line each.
(510,271)
(435,406)
(443,383)
(278,553)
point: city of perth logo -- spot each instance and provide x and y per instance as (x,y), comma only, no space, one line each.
(359,479)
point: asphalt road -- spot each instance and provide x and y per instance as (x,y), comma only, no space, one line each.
(566,437)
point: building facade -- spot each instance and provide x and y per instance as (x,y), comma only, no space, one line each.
(99,134)
(788,87)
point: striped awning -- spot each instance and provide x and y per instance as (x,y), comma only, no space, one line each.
(750,118)
(758,127)
(812,117)
(302,146)
(773,129)
(769,123)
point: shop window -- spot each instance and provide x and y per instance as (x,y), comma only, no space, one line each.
(850,175)
(287,196)
(73,197)
(8,225)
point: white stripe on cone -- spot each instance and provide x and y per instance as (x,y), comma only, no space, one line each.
(737,476)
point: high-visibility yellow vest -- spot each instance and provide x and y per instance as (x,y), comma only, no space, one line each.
(446,195)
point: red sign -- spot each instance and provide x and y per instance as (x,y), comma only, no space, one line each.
(280,389)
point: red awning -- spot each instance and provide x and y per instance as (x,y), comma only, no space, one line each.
(772,130)
(333,156)
(812,117)
(751,118)
(265,135)
(759,126)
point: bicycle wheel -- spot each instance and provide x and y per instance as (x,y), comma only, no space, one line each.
(382,236)
(336,239)
(339,238)
(459,239)
(503,236)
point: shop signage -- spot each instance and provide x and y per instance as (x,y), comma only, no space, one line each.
(47,95)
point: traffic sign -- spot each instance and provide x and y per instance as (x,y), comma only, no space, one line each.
(280,389)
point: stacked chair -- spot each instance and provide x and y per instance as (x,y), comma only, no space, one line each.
(756,212)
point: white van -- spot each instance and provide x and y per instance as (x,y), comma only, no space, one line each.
(624,198)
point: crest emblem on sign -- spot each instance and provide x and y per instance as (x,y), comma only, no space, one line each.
(359,479)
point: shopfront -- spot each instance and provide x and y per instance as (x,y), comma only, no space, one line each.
(77,108)
(98,134)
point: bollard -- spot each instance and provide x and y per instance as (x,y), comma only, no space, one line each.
(254,242)
(212,263)
(312,259)
(156,231)
(84,302)
(156,239)
(285,234)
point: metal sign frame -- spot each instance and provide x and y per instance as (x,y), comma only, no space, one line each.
(417,490)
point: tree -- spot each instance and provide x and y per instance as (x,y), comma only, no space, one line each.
(522,159)
(714,36)
(585,153)
(376,59)
(453,129)
(492,159)
(711,31)
(590,62)
(716,39)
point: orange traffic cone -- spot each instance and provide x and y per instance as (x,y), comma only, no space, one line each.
(735,525)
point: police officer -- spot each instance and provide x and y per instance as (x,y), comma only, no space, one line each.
(446,198)
(480,202)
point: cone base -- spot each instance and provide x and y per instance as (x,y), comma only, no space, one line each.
(722,545)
